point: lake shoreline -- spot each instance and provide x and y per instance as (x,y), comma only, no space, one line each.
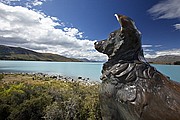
(156,63)
(85,70)
(45,76)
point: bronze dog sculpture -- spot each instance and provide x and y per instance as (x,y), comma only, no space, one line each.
(131,88)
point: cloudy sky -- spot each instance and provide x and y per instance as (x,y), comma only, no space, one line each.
(70,27)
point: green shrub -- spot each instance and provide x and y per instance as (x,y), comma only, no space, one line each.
(27,99)
(4,111)
(31,109)
(1,76)
(54,112)
(177,63)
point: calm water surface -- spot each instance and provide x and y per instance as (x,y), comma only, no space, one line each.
(74,69)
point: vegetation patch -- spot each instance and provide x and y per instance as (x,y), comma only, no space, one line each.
(34,98)
(177,63)
(1,76)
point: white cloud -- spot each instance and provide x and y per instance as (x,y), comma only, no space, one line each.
(8,1)
(73,32)
(146,46)
(162,53)
(169,52)
(149,51)
(158,46)
(177,26)
(20,26)
(147,55)
(32,3)
(167,9)
(27,3)
(37,2)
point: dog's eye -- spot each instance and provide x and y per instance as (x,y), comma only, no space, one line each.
(111,35)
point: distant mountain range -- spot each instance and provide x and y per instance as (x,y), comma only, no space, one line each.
(18,53)
(167,59)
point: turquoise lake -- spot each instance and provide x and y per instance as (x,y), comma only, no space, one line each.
(74,69)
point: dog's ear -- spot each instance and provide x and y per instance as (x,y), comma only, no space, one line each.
(125,22)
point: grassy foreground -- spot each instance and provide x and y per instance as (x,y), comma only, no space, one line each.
(32,97)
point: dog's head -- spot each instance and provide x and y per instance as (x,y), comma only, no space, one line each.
(124,43)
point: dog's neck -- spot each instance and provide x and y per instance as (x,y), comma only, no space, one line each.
(127,63)
(129,56)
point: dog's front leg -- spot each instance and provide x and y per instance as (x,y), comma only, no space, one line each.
(107,101)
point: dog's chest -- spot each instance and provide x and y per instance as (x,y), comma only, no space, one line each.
(127,72)
(119,73)
(124,80)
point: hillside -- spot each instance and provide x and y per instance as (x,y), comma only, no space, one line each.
(17,53)
(167,59)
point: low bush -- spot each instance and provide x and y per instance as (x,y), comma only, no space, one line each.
(28,98)
(1,76)
(177,63)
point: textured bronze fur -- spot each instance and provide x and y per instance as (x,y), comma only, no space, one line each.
(131,88)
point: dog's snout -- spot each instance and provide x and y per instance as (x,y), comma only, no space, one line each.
(98,46)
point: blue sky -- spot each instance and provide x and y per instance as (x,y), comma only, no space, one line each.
(70,27)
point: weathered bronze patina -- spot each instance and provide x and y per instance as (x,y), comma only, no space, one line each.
(131,88)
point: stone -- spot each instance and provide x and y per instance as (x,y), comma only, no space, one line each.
(131,88)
